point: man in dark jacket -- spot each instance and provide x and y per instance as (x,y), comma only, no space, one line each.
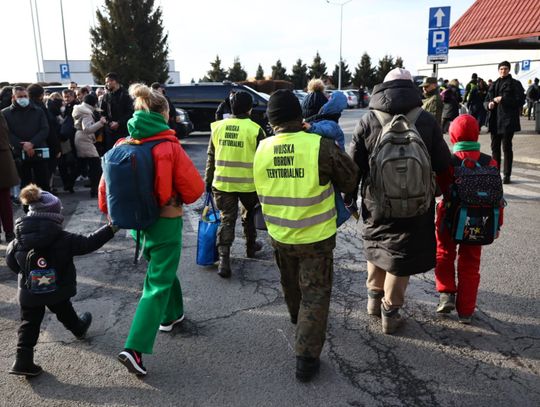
(28,130)
(505,100)
(395,248)
(117,107)
(533,96)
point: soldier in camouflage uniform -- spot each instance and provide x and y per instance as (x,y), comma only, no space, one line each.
(432,102)
(294,176)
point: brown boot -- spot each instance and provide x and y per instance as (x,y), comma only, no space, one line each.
(224,267)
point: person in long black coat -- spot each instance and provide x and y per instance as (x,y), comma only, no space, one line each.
(505,99)
(395,248)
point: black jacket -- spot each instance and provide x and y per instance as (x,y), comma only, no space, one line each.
(117,107)
(504,118)
(26,124)
(400,246)
(32,232)
(312,103)
(451,98)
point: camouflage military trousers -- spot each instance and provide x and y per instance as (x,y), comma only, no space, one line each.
(306,278)
(227,203)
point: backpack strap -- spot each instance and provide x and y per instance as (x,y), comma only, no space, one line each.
(484,159)
(383,117)
(414,114)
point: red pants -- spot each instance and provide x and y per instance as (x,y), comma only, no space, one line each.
(468,268)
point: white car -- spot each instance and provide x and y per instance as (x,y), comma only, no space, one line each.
(352,99)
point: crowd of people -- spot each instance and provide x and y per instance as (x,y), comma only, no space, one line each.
(301,178)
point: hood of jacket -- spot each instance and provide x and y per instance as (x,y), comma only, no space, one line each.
(395,97)
(35,232)
(145,124)
(336,104)
(84,109)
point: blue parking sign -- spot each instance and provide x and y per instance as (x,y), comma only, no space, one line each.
(526,65)
(64,71)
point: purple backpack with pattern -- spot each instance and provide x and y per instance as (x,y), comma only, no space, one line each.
(475,202)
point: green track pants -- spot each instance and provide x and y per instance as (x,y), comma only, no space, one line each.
(161,300)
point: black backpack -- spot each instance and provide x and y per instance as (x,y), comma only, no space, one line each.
(40,275)
(476,198)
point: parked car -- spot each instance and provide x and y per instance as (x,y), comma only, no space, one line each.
(185,126)
(300,94)
(201,100)
(352,97)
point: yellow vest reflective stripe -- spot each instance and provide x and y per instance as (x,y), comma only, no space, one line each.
(235,142)
(296,208)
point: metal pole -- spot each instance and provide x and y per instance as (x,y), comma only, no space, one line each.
(40,43)
(35,40)
(436,71)
(340,45)
(64,33)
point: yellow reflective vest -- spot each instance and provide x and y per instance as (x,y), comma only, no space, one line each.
(297,210)
(235,142)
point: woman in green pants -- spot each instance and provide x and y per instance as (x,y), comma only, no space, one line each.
(177,181)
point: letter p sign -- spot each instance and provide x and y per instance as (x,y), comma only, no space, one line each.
(438,41)
(64,71)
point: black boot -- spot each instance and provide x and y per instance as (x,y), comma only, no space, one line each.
(306,368)
(84,323)
(224,267)
(252,247)
(24,364)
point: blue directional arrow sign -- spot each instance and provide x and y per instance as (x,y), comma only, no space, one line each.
(438,35)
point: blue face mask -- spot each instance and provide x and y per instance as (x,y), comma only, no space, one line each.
(23,102)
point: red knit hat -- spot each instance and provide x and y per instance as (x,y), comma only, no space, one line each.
(464,128)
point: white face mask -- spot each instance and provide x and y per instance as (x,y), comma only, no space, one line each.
(23,102)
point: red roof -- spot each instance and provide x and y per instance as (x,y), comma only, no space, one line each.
(498,24)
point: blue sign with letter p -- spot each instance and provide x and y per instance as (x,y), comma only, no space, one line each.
(64,71)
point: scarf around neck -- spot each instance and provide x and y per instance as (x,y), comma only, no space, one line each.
(466,146)
(145,124)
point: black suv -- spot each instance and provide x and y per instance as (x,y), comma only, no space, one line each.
(201,101)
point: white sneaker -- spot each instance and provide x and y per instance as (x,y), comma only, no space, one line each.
(169,327)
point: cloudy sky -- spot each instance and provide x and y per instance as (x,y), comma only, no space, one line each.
(255,31)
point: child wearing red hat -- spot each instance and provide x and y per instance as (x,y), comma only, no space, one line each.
(464,133)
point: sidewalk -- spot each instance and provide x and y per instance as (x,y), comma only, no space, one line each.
(526,143)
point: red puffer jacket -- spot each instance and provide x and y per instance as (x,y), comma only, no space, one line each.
(175,174)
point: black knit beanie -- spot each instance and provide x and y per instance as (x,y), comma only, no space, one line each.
(504,63)
(283,106)
(241,102)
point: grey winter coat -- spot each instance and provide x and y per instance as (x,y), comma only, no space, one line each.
(86,127)
(402,247)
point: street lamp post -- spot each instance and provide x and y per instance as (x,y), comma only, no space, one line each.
(64,33)
(340,36)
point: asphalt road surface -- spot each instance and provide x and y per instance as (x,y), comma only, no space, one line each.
(236,346)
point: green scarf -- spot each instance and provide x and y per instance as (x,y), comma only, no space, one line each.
(145,124)
(466,146)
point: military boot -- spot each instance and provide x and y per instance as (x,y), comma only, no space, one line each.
(24,363)
(224,266)
(252,247)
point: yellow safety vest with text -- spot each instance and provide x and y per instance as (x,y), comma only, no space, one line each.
(235,143)
(297,210)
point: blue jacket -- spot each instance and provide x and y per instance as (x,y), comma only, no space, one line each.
(329,129)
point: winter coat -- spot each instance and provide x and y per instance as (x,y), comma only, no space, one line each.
(117,107)
(331,110)
(86,127)
(504,118)
(312,103)
(329,129)
(40,232)
(434,105)
(176,180)
(53,138)
(451,99)
(8,171)
(402,247)
(26,124)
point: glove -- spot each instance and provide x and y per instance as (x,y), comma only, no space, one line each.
(350,204)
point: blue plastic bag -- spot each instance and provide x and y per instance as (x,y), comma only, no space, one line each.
(207,253)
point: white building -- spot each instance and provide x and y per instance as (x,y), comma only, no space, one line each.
(80,72)
(463,63)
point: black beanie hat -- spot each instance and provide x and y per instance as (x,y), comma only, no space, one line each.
(504,63)
(90,99)
(241,102)
(283,106)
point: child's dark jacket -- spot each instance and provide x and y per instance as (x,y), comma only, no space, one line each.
(37,232)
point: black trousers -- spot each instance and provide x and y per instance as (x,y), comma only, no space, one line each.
(31,318)
(506,141)
(67,166)
(35,170)
(94,171)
